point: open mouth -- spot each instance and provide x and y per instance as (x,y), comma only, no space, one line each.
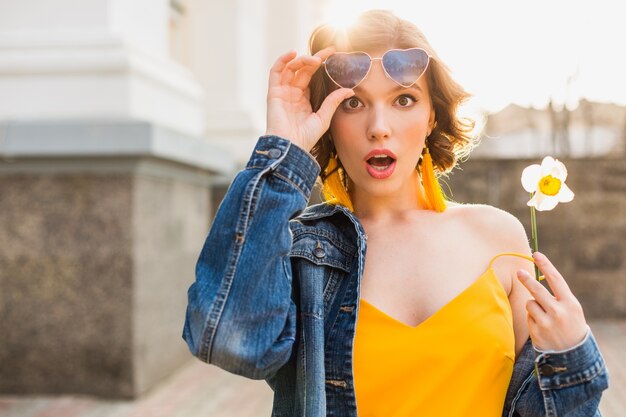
(380,162)
(380,166)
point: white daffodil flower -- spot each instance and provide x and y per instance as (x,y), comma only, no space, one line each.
(547,183)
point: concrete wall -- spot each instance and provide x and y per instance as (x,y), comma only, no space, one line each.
(65,265)
(101,226)
(94,269)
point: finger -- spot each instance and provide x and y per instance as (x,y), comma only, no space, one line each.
(328,107)
(323,54)
(303,77)
(535,330)
(297,64)
(535,311)
(326,52)
(279,66)
(537,290)
(533,327)
(557,283)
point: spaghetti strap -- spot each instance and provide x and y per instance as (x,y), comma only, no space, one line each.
(511,254)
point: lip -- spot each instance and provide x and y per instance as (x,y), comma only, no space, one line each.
(384,173)
(380,152)
(380,174)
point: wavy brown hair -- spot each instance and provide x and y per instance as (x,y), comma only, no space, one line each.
(451,138)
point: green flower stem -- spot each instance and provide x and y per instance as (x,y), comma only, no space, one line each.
(533,223)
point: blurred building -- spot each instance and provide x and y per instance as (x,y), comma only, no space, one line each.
(590,130)
(117,120)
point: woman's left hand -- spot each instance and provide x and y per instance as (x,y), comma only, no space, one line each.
(555,322)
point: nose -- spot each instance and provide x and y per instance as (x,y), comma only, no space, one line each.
(378,124)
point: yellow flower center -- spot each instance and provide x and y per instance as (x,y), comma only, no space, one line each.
(549,185)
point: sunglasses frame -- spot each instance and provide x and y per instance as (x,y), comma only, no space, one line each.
(382,64)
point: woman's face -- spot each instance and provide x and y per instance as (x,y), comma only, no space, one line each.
(384,118)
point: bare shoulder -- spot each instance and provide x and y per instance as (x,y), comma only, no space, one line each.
(499,230)
(499,226)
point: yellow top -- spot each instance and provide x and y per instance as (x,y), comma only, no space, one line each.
(457,362)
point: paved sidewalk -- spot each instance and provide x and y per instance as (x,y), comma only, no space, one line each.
(201,390)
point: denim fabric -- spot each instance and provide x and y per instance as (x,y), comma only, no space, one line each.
(276,291)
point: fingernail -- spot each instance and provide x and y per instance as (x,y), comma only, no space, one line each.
(523,275)
(539,256)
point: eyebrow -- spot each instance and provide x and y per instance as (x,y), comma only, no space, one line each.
(396,89)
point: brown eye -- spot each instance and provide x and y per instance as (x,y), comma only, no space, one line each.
(406,100)
(351,103)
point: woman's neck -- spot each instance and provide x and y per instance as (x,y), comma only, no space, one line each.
(376,208)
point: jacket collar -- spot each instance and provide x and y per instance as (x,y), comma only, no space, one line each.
(323,210)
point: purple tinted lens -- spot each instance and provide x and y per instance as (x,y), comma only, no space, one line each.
(347,69)
(405,67)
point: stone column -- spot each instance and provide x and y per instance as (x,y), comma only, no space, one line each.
(105,176)
(230,47)
(63,59)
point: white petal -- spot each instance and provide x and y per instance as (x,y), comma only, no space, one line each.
(546,166)
(555,172)
(538,196)
(562,171)
(547,203)
(530,177)
(565,195)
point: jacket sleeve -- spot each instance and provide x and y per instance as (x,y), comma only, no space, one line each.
(563,383)
(240,315)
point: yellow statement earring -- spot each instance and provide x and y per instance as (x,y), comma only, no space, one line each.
(432,189)
(333,189)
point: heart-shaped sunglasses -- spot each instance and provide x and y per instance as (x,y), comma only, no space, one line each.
(404,66)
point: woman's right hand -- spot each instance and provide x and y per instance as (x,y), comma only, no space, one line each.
(289,113)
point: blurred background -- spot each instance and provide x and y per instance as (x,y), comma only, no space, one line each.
(122,124)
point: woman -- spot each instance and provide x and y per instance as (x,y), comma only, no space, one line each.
(279,286)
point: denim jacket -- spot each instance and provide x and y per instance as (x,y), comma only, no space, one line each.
(276,295)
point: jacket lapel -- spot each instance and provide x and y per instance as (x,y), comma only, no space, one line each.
(523,368)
